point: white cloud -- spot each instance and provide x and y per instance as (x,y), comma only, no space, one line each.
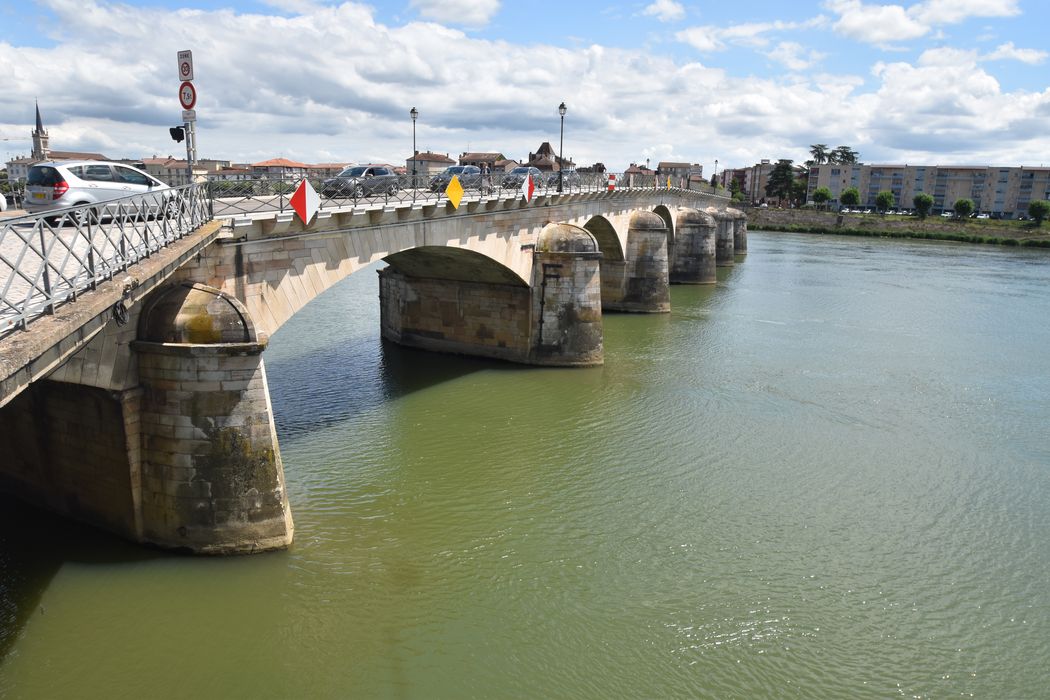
(467,13)
(875,24)
(1010,52)
(795,56)
(665,10)
(704,38)
(884,25)
(708,38)
(932,12)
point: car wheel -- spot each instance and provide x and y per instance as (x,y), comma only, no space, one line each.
(358,191)
(171,209)
(392,190)
(83,216)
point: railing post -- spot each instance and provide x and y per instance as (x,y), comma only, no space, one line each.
(123,248)
(49,308)
(91,249)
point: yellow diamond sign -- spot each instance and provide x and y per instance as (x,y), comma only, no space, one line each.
(454,191)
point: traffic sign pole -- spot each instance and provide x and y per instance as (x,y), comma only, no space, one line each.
(188,100)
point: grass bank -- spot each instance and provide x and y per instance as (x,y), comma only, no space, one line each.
(985,231)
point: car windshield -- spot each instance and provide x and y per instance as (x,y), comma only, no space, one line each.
(353,172)
(456,169)
(519,171)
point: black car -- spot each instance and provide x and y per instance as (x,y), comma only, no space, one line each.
(362,181)
(517,176)
(469,177)
(569,178)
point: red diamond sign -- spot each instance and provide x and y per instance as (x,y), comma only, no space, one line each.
(305,201)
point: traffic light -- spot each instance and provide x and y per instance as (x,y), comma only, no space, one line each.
(177,133)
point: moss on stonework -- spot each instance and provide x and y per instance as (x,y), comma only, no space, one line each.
(200,328)
(235,467)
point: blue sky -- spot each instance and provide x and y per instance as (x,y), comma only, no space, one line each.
(919,81)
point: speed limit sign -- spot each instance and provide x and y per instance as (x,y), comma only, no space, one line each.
(187,95)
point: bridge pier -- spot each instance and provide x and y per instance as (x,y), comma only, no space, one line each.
(643,285)
(723,238)
(566,298)
(212,478)
(694,259)
(739,231)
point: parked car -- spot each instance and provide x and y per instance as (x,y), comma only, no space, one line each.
(517,176)
(58,184)
(361,181)
(469,177)
(569,178)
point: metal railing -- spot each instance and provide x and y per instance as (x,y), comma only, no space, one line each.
(245,198)
(48,259)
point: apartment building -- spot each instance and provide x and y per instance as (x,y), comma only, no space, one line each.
(756,180)
(173,171)
(1002,191)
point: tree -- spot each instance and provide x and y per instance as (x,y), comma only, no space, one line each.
(734,187)
(821,195)
(850,197)
(923,203)
(844,155)
(963,208)
(1039,210)
(820,153)
(884,200)
(798,190)
(780,180)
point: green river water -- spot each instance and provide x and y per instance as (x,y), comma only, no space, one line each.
(826,477)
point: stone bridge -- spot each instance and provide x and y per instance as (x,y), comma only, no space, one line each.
(155,422)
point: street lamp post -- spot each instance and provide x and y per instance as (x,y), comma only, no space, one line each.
(714,178)
(415,115)
(561,146)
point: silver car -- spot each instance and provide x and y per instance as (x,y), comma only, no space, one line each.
(60,184)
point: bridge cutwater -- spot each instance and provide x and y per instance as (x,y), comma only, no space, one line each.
(133,392)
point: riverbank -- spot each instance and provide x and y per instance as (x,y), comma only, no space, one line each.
(988,231)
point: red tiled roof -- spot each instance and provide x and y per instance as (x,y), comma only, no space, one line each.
(432,157)
(279,163)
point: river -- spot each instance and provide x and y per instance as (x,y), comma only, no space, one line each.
(828,476)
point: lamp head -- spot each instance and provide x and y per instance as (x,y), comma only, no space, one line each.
(561,109)
(414,113)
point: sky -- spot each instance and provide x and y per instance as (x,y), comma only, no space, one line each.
(324,81)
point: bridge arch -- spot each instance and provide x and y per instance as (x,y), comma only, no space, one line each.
(665,213)
(608,240)
(461,264)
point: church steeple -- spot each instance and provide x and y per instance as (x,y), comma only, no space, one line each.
(40,139)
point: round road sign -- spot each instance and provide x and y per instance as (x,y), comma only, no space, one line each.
(187,95)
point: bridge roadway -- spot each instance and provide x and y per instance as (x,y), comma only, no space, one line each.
(142,407)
